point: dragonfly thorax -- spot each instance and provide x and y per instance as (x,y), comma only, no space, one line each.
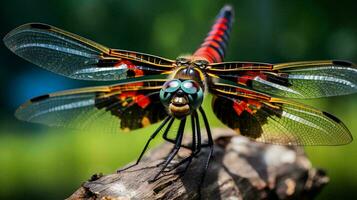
(190,69)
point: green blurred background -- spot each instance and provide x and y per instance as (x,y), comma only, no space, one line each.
(37,162)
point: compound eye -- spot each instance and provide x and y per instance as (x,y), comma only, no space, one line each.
(172,85)
(190,87)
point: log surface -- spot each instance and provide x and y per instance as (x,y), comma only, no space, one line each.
(240,169)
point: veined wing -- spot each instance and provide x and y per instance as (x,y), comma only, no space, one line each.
(310,79)
(79,58)
(124,106)
(277,121)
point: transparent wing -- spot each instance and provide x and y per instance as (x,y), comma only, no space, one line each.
(76,57)
(113,108)
(276,121)
(293,80)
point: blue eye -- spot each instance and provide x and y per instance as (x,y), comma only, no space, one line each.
(171,86)
(190,87)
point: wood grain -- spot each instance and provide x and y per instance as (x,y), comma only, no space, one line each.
(240,169)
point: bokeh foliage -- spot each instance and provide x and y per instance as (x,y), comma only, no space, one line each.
(45,163)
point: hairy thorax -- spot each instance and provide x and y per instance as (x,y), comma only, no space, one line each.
(191,68)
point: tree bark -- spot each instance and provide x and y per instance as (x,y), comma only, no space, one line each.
(240,169)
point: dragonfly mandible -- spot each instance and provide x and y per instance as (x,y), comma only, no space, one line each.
(251,98)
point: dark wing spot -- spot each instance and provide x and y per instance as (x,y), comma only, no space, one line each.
(107,62)
(342,63)
(246,123)
(132,115)
(40,98)
(130,73)
(281,79)
(249,125)
(331,117)
(40,26)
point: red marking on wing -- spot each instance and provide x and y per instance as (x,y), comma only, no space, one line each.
(140,99)
(250,75)
(243,105)
(126,95)
(131,66)
(137,72)
(239,107)
(122,62)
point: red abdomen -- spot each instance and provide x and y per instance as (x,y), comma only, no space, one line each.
(214,46)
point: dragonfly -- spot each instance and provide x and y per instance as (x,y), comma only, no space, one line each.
(252,98)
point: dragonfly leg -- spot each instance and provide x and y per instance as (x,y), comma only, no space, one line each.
(173,141)
(165,136)
(210,145)
(196,143)
(192,148)
(148,142)
(174,150)
(198,131)
(193,124)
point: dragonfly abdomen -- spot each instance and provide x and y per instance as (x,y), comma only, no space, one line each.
(214,46)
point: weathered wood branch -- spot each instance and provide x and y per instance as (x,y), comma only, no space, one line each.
(240,169)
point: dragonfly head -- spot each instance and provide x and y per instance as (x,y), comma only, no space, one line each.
(181,97)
